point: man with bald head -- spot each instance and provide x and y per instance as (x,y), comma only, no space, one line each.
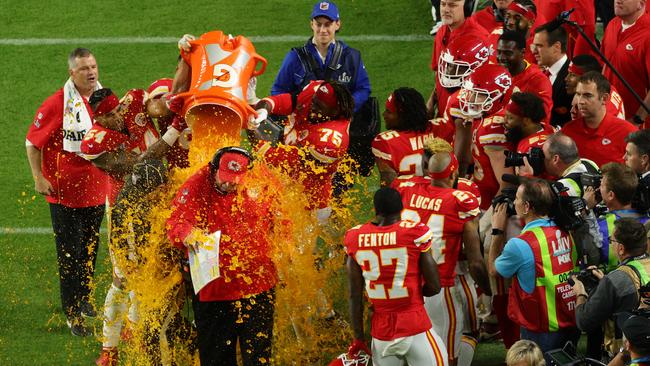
(452,215)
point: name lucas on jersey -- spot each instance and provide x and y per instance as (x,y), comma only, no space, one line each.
(377,239)
(425,203)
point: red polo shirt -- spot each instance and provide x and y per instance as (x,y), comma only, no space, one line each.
(603,144)
(629,53)
(76,181)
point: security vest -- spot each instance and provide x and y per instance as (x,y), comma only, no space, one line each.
(606,226)
(638,270)
(551,305)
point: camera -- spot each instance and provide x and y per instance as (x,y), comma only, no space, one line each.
(535,158)
(587,277)
(591,180)
(507,196)
(567,210)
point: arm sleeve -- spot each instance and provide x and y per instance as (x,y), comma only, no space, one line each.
(361,91)
(281,104)
(290,70)
(600,305)
(47,121)
(511,259)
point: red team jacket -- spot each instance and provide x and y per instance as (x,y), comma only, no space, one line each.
(389,257)
(323,143)
(245,263)
(445,211)
(76,181)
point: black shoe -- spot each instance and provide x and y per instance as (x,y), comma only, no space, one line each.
(88,310)
(77,327)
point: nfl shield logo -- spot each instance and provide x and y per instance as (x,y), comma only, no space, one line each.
(324,6)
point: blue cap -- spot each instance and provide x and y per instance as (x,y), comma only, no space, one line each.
(325,9)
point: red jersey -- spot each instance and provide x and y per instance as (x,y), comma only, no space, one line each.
(141,132)
(139,135)
(532,80)
(535,140)
(629,53)
(445,211)
(469,28)
(603,144)
(312,151)
(76,181)
(244,258)
(402,150)
(487,133)
(615,105)
(389,257)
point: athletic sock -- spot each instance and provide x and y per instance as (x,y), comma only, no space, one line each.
(467,348)
(114,310)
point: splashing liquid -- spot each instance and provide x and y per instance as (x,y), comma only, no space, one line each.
(308,257)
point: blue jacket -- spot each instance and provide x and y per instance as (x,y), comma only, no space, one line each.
(293,77)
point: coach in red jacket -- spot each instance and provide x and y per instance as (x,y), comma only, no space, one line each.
(239,304)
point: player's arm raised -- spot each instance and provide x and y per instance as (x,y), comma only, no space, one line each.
(429,270)
(357,284)
(472,248)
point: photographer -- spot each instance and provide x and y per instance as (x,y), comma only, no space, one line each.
(636,344)
(539,260)
(524,129)
(561,160)
(617,189)
(618,291)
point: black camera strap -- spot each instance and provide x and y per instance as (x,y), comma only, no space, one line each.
(310,64)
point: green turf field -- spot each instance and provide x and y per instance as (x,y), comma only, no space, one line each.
(32,327)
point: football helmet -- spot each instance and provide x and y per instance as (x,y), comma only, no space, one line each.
(460,59)
(485,91)
(361,359)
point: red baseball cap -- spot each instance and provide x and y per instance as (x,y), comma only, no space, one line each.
(232,167)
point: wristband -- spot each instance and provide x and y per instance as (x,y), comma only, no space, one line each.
(497,231)
(171,136)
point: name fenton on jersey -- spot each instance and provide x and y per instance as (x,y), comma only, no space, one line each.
(378,239)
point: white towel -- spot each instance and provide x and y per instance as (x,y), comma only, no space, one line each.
(397,347)
(76,119)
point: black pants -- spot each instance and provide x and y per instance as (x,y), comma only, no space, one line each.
(76,233)
(221,323)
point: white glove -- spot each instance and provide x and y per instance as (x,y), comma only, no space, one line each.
(184,43)
(251,95)
(254,123)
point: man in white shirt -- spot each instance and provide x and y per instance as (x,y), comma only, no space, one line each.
(549,48)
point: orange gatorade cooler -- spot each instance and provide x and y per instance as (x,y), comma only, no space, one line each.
(215,106)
